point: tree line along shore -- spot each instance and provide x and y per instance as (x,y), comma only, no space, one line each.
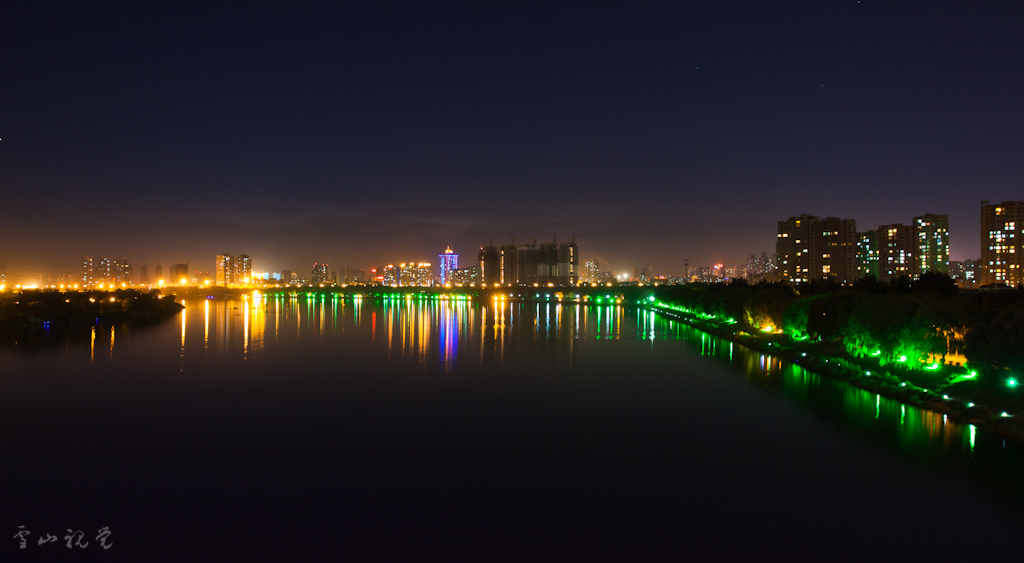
(923,342)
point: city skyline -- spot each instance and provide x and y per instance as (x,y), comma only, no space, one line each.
(861,252)
(368,135)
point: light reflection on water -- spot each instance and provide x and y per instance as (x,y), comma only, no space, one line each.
(448,336)
(444,333)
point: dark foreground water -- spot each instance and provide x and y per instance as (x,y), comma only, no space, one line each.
(296,430)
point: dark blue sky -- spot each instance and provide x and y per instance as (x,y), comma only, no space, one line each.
(363,136)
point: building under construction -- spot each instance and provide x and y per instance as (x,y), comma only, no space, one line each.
(529,264)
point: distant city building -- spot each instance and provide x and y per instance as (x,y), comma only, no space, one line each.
(465,276)
(446,263)
(706,274)
(1002,255)
(897,244)
(489,260)
(121,272)
(144,274)
(895,250)
(104,271)
(225,270)
(319,274)
(243,269)
(232,270)
(508,264)
(159,272)
(966,274)
(416,274)
(591,271)
(179,272)
(642,274)
(88,271)
(867,254)
(548,263)
(810,248)
(390,275)
(932,235)
(287,276)
(758,267)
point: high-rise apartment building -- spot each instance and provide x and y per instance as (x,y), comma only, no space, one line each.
(225,270)
(319,274)
(465,276)
(867,254)
(810,248)
(966,274)
(104,270)
(121,272)
(243,269)
(232,270)
(932,236)
(897,246)
(758,267)
(895,250)
(591,271)
(415,274)
(1001,250)
(446,263)
(88,271)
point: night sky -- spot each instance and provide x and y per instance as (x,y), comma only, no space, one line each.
(365,136)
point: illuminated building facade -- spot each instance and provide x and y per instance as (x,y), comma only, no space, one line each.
(1001,250)
(446,263)
(758,267)
(810,248)
(966,274)
(867,254)
(144,274)
(225,267)
(103,270)
(121,272)
(897,244)
(465,276)
(231,270)
(88,271)
(419,274)
(932,252)
(642,274)
(591,271)
(106,271)
(319,274)
(243,269)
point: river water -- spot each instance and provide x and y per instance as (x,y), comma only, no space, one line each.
(286,428)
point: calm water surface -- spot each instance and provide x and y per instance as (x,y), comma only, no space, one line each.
(294,429)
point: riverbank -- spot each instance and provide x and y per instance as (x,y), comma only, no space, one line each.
(944,389)
(46,308)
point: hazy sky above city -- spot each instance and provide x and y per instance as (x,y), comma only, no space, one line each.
(362,136)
